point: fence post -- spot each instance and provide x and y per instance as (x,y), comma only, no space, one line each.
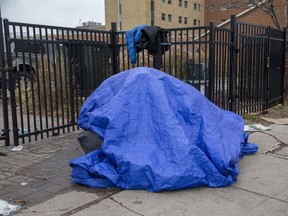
(267,60)
(286,63)
(286,36)
(114,48)
(4,87)
(11,83)
(71,52)
(233,65)
(211,61)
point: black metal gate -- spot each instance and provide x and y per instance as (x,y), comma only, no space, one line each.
(276,67)
(251,51)
(47,72)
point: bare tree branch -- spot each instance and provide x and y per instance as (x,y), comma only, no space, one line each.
(267,6)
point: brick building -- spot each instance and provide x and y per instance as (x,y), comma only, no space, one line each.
(165,13)
(220,11)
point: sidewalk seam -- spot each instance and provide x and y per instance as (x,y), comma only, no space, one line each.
(263,195)
(273,155)
(80,208)
(277,139)
(119,203)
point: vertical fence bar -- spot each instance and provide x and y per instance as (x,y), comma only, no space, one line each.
(211,61)
(267,87)
(286,58)
(233,65)
(20,92)
(11,83)
(286,35)
(217,66)
(285,72)
(59,58)
(72,54)
(56,95)
(114,48)
(66,68)
(6,130)
(33,113)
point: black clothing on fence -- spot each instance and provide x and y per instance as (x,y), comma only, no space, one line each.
(154,39)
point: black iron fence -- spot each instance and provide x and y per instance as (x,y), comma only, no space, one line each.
(47,72)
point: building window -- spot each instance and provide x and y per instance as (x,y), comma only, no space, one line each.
(199,7)
(195,6)
(251,3)
(169,1)
(120,8)
(223,7)
(180,3)
(195,22)
(212,8)
(233,6)
(185,20)
(120,15)
(163,16)
(152,13)
(199,22)
(169,18)
(180,19)
(186,4)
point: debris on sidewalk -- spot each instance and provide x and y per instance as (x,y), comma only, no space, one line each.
(23,183)
(6,208)
(20,202)
(3,154)
(278,121)
(17,148)
(275,148)
(283,152)
(255,127)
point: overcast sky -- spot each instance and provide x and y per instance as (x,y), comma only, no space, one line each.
(67,13)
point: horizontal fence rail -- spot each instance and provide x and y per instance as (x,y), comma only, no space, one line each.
(47,72)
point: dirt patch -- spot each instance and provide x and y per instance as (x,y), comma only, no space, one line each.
(277,112)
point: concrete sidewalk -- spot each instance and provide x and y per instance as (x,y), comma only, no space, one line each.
(41,184)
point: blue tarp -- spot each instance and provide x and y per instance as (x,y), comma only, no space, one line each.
(158,133)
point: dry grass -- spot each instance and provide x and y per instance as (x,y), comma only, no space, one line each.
(49,91)
(174,60)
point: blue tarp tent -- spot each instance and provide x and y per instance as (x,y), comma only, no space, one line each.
(158,133)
